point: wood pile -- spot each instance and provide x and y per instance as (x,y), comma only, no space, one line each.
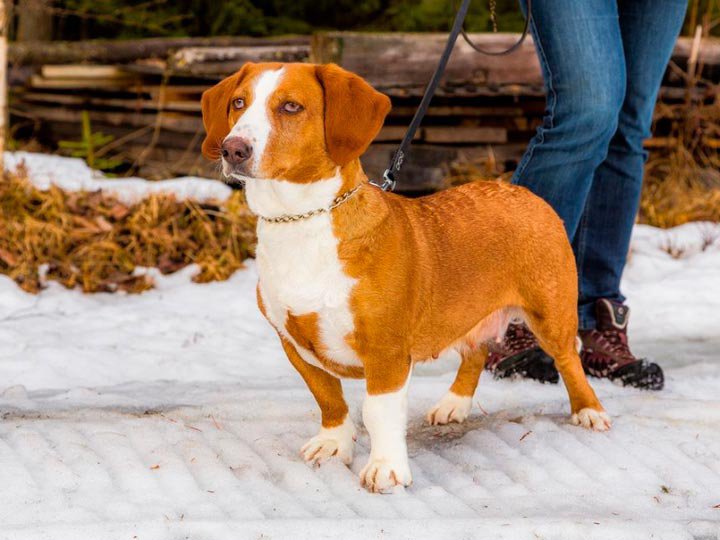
(146,93)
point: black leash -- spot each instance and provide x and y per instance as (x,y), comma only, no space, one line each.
(390,174)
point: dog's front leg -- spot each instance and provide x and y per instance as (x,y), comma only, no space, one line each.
(385,417)
(337,433)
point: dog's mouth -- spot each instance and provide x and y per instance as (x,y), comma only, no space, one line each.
(237,179)
(236,175)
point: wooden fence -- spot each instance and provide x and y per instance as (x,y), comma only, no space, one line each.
(146,93)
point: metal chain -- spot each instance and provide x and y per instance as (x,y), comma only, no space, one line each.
(493,15)
(289,218)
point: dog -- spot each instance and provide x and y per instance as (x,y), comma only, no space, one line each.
(359,282)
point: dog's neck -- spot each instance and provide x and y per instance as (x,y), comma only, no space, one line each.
(275,198)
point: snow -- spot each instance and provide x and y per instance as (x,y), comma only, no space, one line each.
(174,414)
(73,174)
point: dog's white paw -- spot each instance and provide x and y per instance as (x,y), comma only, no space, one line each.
(336,441)
(382,475)
(592,419)
(451,408)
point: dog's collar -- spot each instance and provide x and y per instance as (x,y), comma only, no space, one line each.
(288,218)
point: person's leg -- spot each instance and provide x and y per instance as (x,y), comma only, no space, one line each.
(649,29)
(580,49)
(579,45)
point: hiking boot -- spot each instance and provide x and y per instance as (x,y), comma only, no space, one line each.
(606,353)
(519,354)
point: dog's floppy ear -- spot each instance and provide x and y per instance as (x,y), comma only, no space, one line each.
(354,112)
(215,105)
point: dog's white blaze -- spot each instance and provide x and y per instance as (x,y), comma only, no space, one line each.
(298,263)
(254,124)
(385,417)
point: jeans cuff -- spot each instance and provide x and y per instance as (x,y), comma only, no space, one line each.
(586,316)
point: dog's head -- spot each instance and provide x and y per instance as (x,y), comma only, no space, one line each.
(294,122)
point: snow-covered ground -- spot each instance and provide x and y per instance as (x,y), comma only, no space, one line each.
(174,414)
(73,174)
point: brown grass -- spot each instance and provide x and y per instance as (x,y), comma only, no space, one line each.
(682,181)
(487,168)
(95,242)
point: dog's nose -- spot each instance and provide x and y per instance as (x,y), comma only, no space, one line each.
(236,150)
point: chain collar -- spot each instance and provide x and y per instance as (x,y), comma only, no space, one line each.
(288,218)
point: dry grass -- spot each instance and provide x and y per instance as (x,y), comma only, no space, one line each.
(682,181)
(93,241)
(486,168)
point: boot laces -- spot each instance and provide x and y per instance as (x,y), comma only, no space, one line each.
(611,348)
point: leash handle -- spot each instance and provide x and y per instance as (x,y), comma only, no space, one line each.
(389,180)
(515,46)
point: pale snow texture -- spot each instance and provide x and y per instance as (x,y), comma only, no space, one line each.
(73,174)
(174,414)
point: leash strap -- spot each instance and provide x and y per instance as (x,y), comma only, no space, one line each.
(390,175)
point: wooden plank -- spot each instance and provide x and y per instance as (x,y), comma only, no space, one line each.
(37,81)
(395,133)
(82,71)
(465,135)
(168,121)
(461,110)
(120,103)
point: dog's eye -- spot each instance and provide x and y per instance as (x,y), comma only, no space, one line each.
(238,103)
(291,107)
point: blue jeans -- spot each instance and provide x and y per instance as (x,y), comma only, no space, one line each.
(603,62)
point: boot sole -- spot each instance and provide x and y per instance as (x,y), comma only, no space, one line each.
(531,364)
(641,374)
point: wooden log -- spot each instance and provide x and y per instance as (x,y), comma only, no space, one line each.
(465,135)
(390,60)
(708,53)
(222,61)
(119,51)
(402,64)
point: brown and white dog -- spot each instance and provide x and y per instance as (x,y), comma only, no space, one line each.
(362,283)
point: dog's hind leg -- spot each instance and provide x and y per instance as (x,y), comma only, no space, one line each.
(558,340)
(457,403)
(337,434)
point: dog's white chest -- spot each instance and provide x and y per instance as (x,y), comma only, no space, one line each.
(300,273)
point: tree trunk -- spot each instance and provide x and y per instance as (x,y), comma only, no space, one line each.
(34,20)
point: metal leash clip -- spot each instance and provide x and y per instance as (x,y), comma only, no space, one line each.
(389,181)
